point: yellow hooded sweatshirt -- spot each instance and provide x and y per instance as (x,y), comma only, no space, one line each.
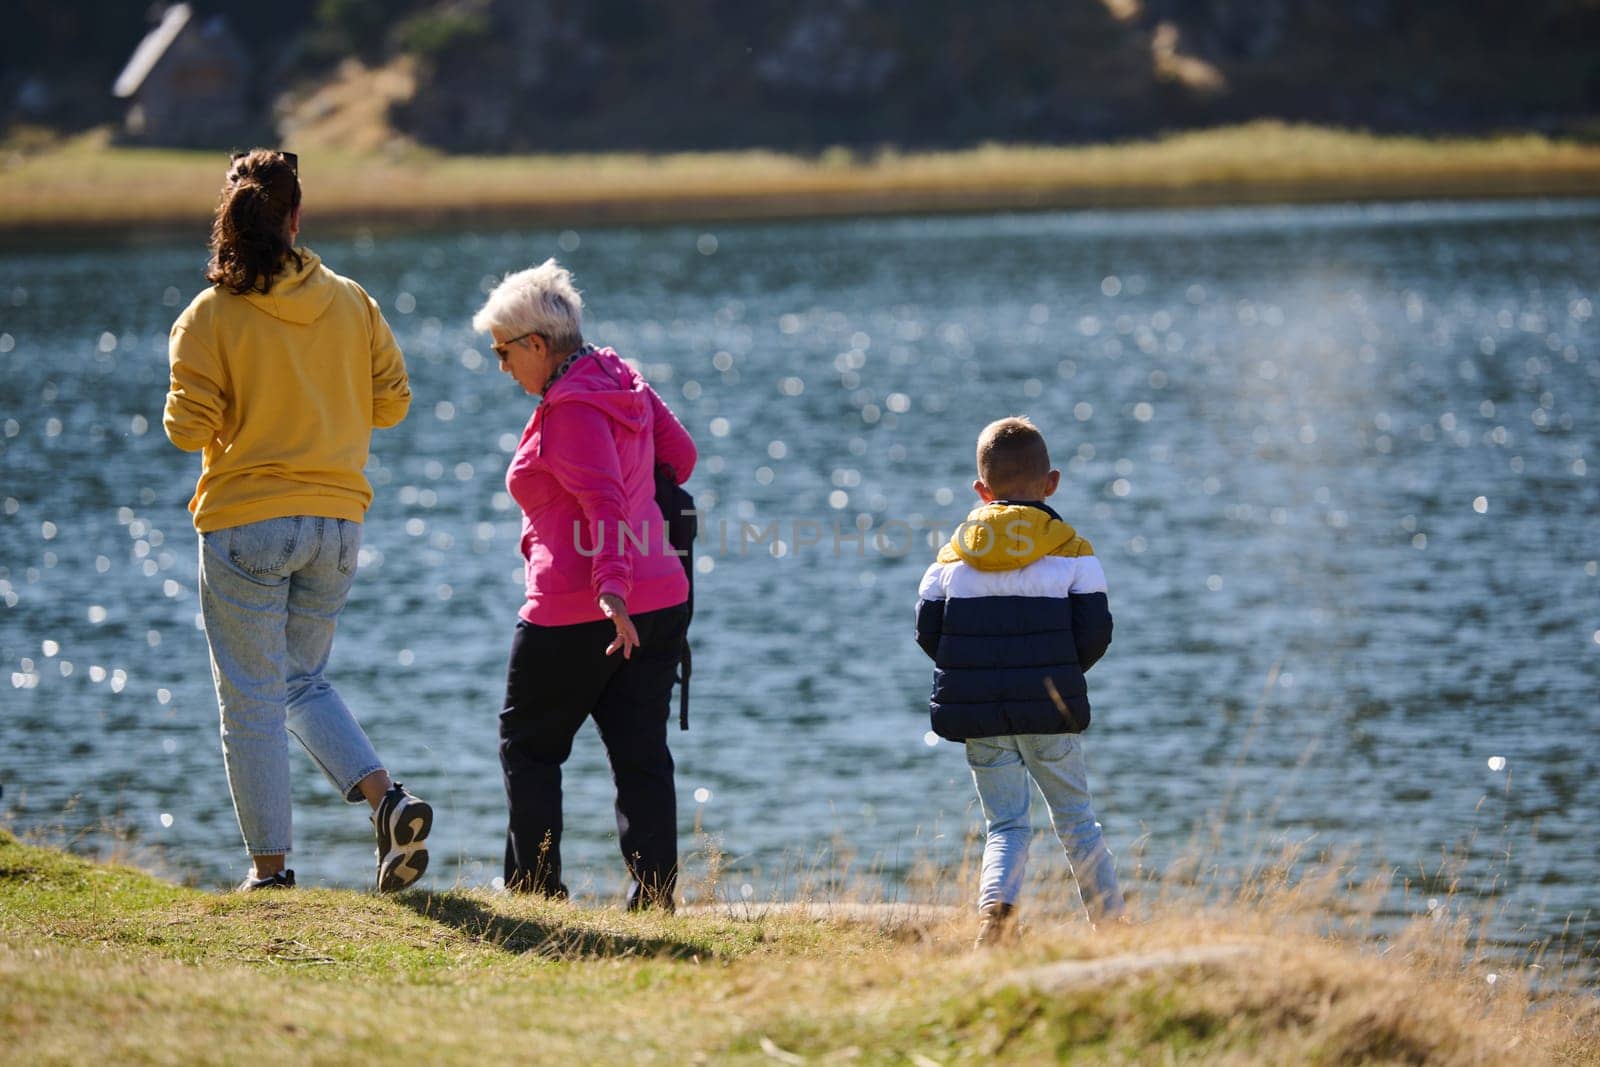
(281,390)
(1004,536)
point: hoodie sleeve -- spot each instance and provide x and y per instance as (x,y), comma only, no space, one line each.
(674,446)
(196,395)
(581,454)
(391,387)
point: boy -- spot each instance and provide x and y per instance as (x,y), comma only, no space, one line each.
(1013,612)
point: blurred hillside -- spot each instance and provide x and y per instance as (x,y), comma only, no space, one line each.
(560,75)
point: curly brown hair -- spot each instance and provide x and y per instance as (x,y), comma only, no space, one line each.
(250,234)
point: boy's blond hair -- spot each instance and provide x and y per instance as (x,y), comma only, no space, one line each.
(1012,456)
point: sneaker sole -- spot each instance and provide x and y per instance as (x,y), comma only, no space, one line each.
(402,869)
(407,858)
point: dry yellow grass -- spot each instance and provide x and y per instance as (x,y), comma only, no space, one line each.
(104,963)
(88,185)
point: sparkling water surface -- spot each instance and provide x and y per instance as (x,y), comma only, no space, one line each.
(1338,462)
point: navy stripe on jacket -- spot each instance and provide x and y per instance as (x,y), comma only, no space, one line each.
(1010,647)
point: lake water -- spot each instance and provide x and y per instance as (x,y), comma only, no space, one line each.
(1340,463)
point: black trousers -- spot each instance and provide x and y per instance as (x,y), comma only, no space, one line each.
(559,676)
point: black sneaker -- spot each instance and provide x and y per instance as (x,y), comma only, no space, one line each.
(402,823)
(281,880)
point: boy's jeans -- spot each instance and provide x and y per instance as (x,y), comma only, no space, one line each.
(270,595)
(1001,767)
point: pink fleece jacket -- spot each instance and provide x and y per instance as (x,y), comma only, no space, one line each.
(584,476)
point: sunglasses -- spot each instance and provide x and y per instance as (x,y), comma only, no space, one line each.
(288,157)
(500,347)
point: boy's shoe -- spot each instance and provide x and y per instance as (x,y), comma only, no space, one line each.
(996,924)
(402,823)
(281,880)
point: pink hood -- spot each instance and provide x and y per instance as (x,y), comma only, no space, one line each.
(584,476)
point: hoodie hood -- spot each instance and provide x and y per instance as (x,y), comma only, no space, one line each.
(300,294)
(1006,536)
(602,380)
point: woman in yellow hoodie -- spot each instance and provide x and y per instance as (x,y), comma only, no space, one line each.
(281,369)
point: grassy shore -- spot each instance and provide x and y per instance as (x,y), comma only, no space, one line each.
(87,185)
(104,963)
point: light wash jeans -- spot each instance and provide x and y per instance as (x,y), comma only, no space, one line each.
(1001,768)
(270,595)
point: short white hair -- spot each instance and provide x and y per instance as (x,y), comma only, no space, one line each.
(539,300)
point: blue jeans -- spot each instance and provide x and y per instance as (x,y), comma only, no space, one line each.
(270,596)
(1001,768)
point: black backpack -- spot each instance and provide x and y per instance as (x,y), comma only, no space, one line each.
(677,507)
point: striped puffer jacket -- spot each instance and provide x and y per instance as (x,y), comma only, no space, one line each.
(1013,612)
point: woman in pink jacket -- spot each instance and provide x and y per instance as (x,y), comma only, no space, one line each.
(606,607)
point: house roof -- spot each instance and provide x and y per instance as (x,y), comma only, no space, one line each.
(151,49)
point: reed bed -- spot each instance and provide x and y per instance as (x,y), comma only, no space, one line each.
(86,185)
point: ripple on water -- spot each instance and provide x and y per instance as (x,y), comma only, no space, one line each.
(1349,442)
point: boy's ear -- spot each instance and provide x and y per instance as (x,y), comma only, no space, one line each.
(1051,482)
(983,491)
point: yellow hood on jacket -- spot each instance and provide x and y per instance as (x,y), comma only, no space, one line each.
(1007,537)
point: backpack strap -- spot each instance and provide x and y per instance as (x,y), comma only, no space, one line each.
(685,668)
(677,510)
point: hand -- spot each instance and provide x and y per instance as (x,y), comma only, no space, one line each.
(627,638)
